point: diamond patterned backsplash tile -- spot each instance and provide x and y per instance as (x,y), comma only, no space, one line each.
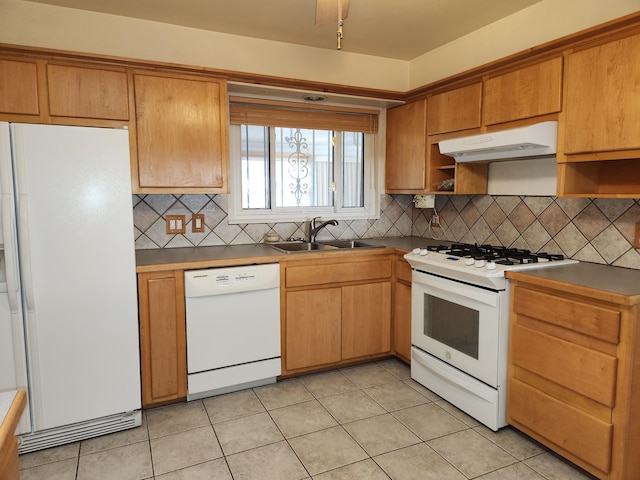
(149,213)
(599,231)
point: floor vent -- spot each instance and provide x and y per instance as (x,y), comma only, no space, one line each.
(54,437)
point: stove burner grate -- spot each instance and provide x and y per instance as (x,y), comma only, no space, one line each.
(498,254)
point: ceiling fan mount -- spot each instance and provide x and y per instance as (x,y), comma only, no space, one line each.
(332,11)
(327,11)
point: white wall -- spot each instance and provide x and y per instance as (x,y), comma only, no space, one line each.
(35,24)
(538,24)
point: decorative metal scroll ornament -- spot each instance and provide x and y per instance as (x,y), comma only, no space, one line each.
(298,169)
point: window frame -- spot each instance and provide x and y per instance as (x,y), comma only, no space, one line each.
(371,183)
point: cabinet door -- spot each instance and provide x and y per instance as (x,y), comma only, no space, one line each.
(19,87)
(87,93)
(602,110)
(182,135)
(405,167)
(163,347)
(402,321)
(312,329)
(366,319)
(528,92)
(458,109)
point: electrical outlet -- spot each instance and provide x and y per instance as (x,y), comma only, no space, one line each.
(175,224)
(197,223)
(435,221)
(636,238)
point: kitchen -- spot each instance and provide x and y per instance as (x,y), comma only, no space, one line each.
(607,217)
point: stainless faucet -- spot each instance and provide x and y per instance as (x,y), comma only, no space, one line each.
(315,229)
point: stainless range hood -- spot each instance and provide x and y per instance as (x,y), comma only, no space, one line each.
(535,140)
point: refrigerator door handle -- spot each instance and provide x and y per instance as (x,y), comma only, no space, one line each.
(11,263)
(25,256)
(23,219)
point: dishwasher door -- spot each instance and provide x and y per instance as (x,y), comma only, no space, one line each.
(233,328)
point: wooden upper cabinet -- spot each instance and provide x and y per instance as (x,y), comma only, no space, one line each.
(405,167)
(445,175)
(602,90)
(87,93)
(528,92)
(182,135)
(455,110)
(19,87)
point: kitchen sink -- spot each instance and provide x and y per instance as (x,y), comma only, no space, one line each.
(350,244)
(332,245)
(289,247)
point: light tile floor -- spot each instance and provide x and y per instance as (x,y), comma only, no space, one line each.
(369,422)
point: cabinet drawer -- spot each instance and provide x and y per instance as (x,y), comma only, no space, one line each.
(403,271)
(573,430)
(592,320)
(336,273)
(582,370)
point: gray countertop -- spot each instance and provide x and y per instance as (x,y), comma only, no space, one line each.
(199,257)
(604,278)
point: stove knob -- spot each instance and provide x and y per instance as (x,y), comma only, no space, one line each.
(479,264)
(424,252)
(469,261)
(491,265)
(416,251)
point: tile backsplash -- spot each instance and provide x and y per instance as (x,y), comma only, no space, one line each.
(593,230)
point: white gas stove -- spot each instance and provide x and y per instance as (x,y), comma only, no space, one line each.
(460,323)
(481,265)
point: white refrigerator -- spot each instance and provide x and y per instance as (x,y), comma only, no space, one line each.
(68,295)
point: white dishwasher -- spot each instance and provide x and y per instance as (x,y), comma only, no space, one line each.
(233,328)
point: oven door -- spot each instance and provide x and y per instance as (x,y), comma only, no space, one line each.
(457,323)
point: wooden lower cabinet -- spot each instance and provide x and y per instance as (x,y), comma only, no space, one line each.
(366,319)
(313,328)
(574,373)
(335,311)
(402,310)
(163,348)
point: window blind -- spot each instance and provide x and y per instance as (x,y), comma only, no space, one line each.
(273,113)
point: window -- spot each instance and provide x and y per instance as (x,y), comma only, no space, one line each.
(294,172)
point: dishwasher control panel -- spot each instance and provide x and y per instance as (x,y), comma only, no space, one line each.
(236,279)
(220,281)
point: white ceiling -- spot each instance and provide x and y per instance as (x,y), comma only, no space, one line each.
(401,29)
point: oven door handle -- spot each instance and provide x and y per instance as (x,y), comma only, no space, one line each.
(436,285)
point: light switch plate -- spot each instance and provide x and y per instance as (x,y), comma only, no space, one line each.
(197,223)
(175,224)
